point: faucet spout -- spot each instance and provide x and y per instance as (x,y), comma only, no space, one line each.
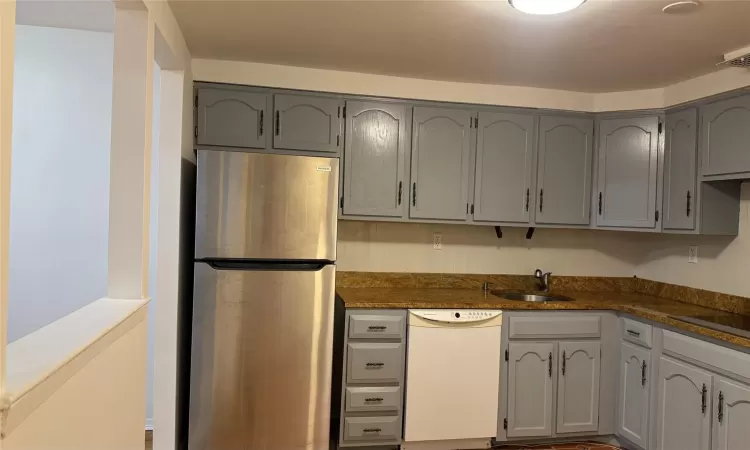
(542,279)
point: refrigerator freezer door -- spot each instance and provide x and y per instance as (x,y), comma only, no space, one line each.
(261,359)
(262,206)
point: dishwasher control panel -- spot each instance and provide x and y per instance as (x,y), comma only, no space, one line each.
(456,315)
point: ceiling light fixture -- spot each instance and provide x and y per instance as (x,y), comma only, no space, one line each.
(545,7)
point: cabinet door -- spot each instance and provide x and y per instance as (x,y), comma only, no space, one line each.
(732,415)
(374,160)
(684,420)
(680,153)
(627,175)
(503,167)
(530,389)
(633,404)
(230,118)
(440,164)
(564,170)
(578,387)
(306,123)
(725,134)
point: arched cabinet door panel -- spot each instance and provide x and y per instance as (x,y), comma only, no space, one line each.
(307,123)
(530,382)
(725,137)
(232,118)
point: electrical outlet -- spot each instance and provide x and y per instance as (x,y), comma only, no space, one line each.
(437,241)
(693,254)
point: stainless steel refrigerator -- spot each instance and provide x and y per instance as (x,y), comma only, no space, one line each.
(263,302)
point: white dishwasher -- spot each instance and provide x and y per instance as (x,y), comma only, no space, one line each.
(452,375)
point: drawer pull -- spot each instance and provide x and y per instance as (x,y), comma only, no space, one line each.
(634,333)
(374,365)
(374,400)
(372,430)
(376,328)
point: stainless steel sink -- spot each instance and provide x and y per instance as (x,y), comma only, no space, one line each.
(523,297)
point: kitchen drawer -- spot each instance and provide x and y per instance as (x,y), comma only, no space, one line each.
(712,356)
(636,332)
(549,326)
(385,428)
(366,326)
(373,398)
(374,363)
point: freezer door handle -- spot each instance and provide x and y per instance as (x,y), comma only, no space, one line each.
(260,265)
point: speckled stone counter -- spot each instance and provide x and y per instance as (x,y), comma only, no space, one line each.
(421,291)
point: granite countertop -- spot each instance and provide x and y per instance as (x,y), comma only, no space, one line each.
(650,307)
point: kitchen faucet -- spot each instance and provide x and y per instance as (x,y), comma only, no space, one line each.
(543,279)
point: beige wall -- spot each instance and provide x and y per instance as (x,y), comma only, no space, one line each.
(394,247)
(723,263)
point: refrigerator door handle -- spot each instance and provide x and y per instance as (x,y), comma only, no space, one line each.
(268,265)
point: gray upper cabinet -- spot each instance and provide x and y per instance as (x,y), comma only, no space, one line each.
(440,164)
(725,137)
(232,118)
(502,190)
(307,123)
(628,173)
(680,158)
(564,170)
(374,160)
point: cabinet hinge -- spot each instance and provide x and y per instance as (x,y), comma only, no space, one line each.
(507,355)
(472,209)
(660,126)
(476,122)
(196,131)
(657,215)
(341,202)
(344,111)
(196,101)
(338,137)
(505,424)
(338,113)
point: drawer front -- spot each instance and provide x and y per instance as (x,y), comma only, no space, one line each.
(554,326)
(715,356)
(373,398)
(368,363)
(364,326)
(636,332)
(372,428)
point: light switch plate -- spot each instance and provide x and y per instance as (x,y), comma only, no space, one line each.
(437,241)
(693,254)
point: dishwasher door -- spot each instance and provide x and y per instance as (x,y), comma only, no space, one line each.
(453,375)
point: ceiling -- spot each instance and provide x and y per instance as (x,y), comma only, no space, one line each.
(604,46)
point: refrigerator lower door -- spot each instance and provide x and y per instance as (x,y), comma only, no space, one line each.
(261,359)
(261,206)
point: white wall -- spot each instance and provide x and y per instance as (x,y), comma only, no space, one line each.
(60,185)
(393,247)
(722,261)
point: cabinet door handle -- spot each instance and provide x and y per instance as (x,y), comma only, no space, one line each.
(400,185)
(261,122)
(527,199)
(414,194)
(721,406)
(541,199)
(688,204)
(600,203)
(704,391)
(563,363)
(643,374)
(634,333)
(278,123)
(549,366)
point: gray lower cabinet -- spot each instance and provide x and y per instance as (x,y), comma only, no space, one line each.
(232,118)
(725,137)
(375,160)
(307,123)
(627,172)
(578,387)
(684,419)
(732,414)
(634,394)
(440,164)
(530,389)
(564,170)
(504,164)
(372,379)
(680,159)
